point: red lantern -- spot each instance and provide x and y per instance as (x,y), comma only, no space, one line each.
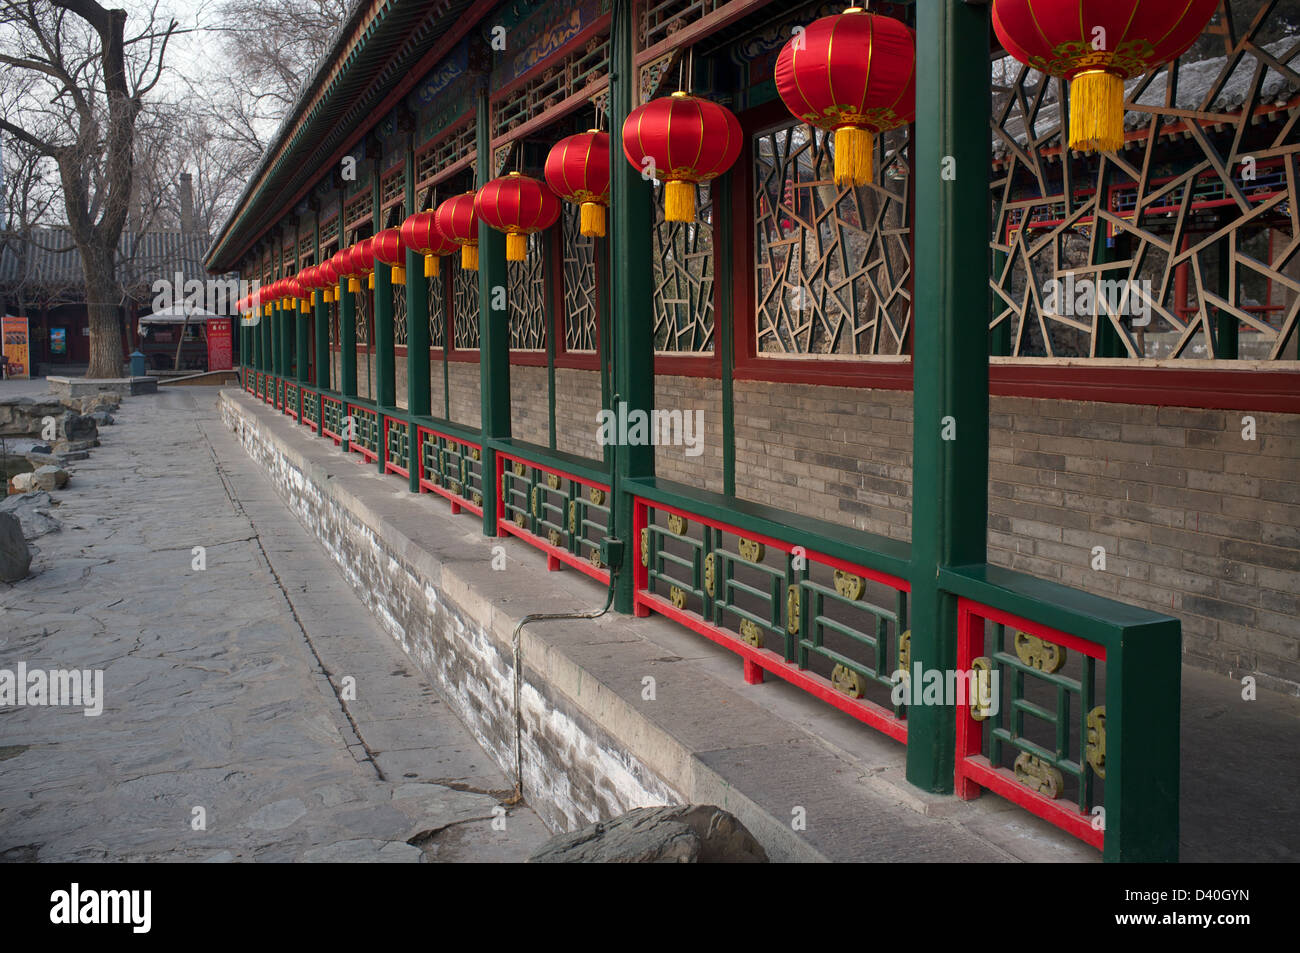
(363,259)
(390,250)
(853,73)
(457,219)
(681,139)
(577,170)
(517,205)
(1097,46)
(421,235)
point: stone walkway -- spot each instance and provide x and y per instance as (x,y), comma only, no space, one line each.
(228,689)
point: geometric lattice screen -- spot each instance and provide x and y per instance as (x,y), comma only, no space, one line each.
(833,263)
(1191,229)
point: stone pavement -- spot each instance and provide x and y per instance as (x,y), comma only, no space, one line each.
(258,689)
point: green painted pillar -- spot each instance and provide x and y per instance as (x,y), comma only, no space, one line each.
(301,320)
(347,341)
(999,337)
(724,244)
(277,340)
(321,316)
(950,369)
(1109,342)
(631,288)
(494,329)
(385,362)
(417,334)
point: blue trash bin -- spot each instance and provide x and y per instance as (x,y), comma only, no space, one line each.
(137,364)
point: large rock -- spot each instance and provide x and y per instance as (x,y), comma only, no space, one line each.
(33,512)
(77,428)
(26,415)
(15,555)
(22,482)
(49,478)
(102,418)
(692,834)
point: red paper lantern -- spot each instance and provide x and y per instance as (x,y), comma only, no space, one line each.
(457,219)
(389,249)
(577,170)
(1097,46)
(421,235)
(682,140)
(853,73)
(518,205)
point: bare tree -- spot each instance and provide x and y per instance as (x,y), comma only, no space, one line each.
(73,90)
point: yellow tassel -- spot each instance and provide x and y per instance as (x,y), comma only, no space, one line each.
(854,149)
(399,275)
(516,246)
(591,220)
(431,266)
(469,257)
(679,201)
(327,295)
(302,305)
(313,298)
(370,280)
(354,285)
(1097,112)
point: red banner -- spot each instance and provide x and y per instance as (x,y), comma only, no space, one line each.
(219,344)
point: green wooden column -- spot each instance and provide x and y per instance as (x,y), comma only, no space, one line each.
(631,288)
(1109,342)
(347,341)
(417,334)
(724,321)
(277,339)
(385,361)
(950,369)
(494,329)
(300,345)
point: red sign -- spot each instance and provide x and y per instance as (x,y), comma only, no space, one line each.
(219,344)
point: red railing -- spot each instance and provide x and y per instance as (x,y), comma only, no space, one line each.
(1042,716)
(535,498)
(794,604)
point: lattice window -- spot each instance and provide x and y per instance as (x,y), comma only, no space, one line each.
(392,188)
(660,19)
(362,311)
(329,232)
(438,309)
(464,308)
(526,296)
(580,314)
(399,315)
(832,263)
(357,210)
(1198,212)
(456,145)
(574,74)
(683,277)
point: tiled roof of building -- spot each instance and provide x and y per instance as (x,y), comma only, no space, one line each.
(50,262)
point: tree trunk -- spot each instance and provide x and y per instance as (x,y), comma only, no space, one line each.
(101,308)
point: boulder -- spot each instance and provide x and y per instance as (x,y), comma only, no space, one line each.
(33,512)
(49,478)
(15,554)
(102,418)
(690,834)
(76,428)
(22,482)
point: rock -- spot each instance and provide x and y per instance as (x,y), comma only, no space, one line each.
(20,416)
(50,478)
(74,446)
(690,834)
(33,512)
(22,482)
(102,418)
(15,555)
(104,401)
(75,428)
(40,448)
